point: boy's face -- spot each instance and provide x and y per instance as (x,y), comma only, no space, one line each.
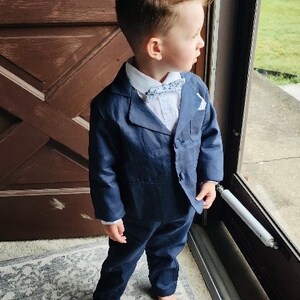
(181,45)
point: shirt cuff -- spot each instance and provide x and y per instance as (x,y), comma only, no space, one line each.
(111,222)
(212,181)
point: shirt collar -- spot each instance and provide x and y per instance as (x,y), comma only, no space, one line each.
(142,82)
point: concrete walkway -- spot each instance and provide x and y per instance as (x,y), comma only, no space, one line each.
(271,152)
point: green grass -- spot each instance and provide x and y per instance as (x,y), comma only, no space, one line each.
(278,40)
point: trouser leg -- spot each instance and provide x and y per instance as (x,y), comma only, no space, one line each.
(162,249)
(122,259)
(115,273)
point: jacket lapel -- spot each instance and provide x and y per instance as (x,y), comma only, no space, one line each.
(189,105)
(141,115)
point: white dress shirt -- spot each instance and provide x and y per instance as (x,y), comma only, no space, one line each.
(164,106)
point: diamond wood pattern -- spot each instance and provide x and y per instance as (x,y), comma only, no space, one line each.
(55,56)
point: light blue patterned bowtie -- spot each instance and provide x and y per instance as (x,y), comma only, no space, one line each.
(174,86)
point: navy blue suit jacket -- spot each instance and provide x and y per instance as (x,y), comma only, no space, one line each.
(137,166)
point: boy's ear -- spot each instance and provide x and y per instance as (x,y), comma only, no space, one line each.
(154,48)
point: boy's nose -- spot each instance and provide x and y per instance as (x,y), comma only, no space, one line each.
(200,43)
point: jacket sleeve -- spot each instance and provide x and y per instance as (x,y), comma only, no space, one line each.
(103,163)
(210,162)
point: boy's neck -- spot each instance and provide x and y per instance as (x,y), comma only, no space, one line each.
(150,68)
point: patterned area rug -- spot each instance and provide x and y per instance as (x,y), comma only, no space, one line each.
(72,274)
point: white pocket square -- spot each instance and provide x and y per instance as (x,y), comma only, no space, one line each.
(202,105)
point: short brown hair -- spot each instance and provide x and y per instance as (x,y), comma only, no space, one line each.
(140,18)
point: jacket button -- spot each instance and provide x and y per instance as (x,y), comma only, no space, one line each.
(177,144)
(181,176)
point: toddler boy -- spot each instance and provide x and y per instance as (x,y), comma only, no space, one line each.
(155,146)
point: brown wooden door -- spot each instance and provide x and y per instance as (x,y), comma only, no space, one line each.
(55,56)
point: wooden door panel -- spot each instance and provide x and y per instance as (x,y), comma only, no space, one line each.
(56,11)
(40,215)
(51,157)
(47,54)
(44,117)
(15,148)
(55,56)
(7,121)
(74,95)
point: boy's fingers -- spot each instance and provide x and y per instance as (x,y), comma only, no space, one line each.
(207,190)
(208,202)
(113,232)
(201,195)
(121,228)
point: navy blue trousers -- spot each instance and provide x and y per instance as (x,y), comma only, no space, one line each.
(162,241)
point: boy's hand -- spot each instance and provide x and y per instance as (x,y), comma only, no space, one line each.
(115,232)
(207,193)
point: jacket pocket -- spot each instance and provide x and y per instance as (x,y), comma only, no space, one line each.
(196,126)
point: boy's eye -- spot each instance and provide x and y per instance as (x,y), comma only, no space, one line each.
(196,35)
